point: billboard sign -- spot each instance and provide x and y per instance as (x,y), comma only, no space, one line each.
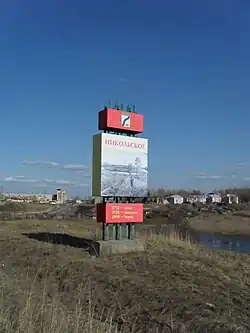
(120,166)
(110,119)
(119,213)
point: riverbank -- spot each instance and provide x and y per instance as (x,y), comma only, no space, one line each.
(222,224)
(174,286)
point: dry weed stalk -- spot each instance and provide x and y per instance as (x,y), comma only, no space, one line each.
(174,238)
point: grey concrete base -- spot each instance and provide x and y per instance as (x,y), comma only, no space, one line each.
(100,248)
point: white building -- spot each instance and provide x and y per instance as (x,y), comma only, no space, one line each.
(214,198)
(196,198)
(230,198)
(175,199)
(61,196)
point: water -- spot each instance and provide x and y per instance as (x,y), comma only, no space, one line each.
(230,243)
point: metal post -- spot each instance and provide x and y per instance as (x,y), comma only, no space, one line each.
(103,231)
(116,232)
(133,230)
(120,231)
(107,231)
(127,231)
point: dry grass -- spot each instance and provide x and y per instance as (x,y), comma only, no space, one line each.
(159,242)
(35,312)
(174,286)
(228,224)
(25,207)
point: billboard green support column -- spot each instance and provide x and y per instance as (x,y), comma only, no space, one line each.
(96,165)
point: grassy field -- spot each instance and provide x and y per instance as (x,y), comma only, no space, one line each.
(25,207)
(231,224)
(37,207)
(174,286)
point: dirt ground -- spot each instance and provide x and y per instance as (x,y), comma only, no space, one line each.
(174,286)
(229,224)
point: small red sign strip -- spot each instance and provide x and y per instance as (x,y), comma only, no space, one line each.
(113,119)
(119,213)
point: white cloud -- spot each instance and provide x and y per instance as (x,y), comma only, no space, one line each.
(81,185)
(19,179)
(60,182)
(205,176)
(50,182)
(52,164)
(241,164)
(247,178)
(75,167)
(48,164)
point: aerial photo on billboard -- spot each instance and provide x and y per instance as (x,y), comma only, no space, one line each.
(120,166)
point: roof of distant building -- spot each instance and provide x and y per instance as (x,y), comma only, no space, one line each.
(176,196)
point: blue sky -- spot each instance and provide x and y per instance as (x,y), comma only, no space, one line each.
(184,64)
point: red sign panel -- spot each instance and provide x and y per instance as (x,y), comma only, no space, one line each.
(119,213)
(110,119)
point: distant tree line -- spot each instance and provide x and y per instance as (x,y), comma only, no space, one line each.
(163,193)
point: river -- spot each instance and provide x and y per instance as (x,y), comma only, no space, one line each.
(226,242)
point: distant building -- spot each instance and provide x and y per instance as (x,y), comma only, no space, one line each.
(165,201)
(213,198)
(54,198)
(230,198)
(61,196)
(175,199)
(196,198)
(27,197)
